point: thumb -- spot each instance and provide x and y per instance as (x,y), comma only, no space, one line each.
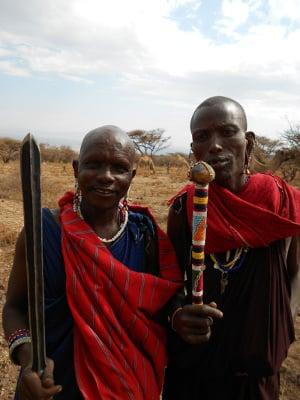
(213,304)
(47,377)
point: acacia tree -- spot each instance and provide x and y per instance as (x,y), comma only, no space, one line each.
(292,136)
(149,142)
(265,147)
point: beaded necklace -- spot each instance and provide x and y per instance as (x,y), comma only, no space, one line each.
(229,266)
(120,231)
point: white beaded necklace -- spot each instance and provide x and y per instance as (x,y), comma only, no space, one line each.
(118,234)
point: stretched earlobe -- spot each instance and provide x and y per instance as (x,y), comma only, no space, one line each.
(191,156)
(250,138)
(75,168)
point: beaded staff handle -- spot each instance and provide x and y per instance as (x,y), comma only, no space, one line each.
(201,174)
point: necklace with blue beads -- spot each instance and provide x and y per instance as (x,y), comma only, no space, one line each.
(229,266)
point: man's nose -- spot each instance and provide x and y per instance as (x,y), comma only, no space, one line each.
(105,174)
(216,144)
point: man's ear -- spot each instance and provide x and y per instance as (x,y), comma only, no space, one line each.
(250,137)
(75,168)
(192,147)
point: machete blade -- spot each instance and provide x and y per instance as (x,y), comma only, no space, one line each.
(30,178)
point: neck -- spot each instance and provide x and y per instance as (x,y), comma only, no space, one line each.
(100,218)
(234,184)
(109,227)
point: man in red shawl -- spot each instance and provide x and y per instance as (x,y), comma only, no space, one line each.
(234,344)
(108,272)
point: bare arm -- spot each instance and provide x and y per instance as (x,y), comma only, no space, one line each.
(15,317)
(15,308)
(293,265)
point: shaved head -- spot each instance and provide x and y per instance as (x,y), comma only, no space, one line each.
(221,101)
(105,135)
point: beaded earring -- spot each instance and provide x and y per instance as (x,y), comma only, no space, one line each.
(125,203)
(125,199)
(77,197)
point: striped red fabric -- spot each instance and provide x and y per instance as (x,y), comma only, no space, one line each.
(265,210)
(119,348)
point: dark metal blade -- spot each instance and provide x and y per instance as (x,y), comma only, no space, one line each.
(30,177)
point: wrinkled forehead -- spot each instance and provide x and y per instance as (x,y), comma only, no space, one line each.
(217,115)
(100,141)
(113,143)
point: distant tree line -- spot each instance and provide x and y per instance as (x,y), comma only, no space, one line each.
(153,141)
(10,151)
(57,153)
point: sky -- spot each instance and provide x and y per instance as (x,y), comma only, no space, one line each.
(69,66)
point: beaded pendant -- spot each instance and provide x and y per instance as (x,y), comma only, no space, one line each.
(229,266)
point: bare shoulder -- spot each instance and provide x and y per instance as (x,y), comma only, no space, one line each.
(177,216)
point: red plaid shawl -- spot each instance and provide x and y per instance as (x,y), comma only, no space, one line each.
(266,209)
(119,349)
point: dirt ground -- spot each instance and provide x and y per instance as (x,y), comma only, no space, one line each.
(146,189)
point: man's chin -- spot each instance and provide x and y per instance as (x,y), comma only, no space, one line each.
(222,177)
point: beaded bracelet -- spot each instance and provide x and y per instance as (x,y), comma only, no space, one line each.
(16,343)
(16,339)
(17,334)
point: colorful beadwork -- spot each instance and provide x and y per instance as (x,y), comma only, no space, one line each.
(16,339)
(17,334)
(201,174)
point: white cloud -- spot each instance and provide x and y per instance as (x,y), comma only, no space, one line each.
(137,42)
(10,68)
(280,9)
(234,14)
(5,52)
(92,37)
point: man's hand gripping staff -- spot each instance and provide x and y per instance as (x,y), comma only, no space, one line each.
(193,322)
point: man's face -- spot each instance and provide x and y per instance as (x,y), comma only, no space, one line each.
(218,133)
(104,172)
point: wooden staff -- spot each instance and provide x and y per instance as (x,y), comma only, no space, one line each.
(201,174)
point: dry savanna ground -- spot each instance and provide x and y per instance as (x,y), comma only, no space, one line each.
(146,189)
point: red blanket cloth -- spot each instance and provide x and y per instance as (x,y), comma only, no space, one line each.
(119,351)
(265,210)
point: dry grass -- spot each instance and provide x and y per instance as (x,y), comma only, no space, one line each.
(146,189)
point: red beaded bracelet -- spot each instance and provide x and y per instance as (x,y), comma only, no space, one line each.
(19,333)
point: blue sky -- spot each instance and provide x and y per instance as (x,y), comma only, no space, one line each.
(68,66)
